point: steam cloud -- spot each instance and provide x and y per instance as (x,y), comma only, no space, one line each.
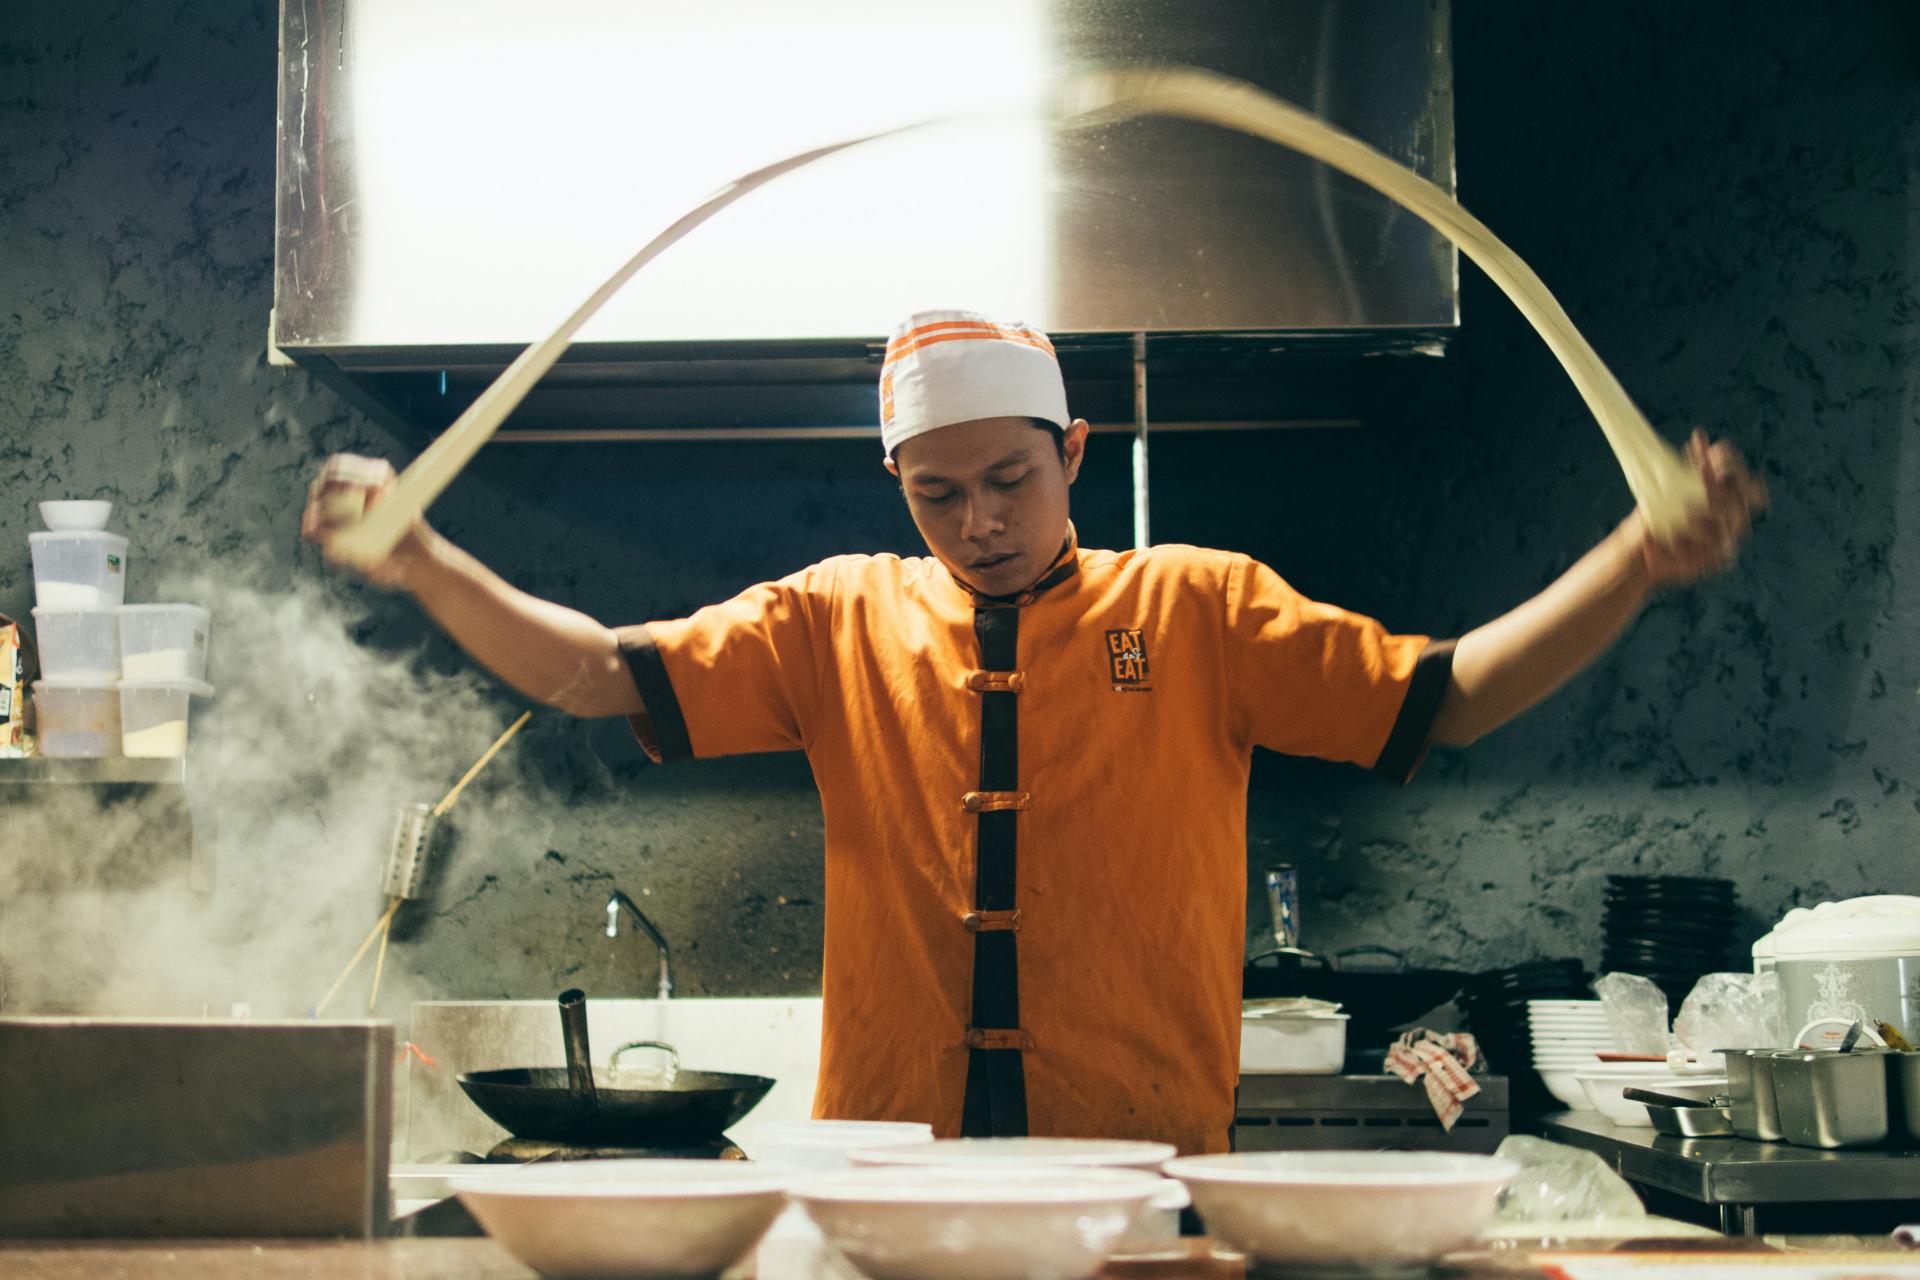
(294,773)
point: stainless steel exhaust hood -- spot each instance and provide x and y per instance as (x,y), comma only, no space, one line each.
(454,175)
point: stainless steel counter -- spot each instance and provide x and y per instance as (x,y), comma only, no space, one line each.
(1736,1174)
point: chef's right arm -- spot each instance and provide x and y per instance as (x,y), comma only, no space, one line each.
(550,653)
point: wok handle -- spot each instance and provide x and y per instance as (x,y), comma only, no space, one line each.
(673,1055)
(573,1034)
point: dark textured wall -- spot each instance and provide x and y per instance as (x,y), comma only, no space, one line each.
(1720,194)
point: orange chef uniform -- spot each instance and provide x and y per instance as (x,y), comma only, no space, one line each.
(1096,733)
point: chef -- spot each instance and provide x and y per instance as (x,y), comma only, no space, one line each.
(1033,756)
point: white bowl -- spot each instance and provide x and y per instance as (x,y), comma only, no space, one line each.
(993,1222)
(1030,1153)
(69,514)
(1562,1085)
(1552,1016)
(827,1144)
(1567,1004)
(1384,1209)
(1604,1088)
(638,1218)
(1155,1230)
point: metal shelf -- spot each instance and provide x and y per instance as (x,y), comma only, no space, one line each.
(93,772)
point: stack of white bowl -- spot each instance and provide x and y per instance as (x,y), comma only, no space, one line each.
(115,678)
(1568,1036)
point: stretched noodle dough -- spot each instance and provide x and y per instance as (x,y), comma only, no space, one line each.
(1665,486)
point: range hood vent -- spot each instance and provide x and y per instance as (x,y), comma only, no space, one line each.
(453,179)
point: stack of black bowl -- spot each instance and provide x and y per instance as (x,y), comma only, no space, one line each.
(1670,929)
(1495,1003)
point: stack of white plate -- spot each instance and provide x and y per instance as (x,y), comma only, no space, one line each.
(1567,1036)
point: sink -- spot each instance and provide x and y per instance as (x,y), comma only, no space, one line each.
(775,1036)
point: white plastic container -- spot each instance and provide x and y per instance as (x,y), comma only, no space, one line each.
(153,716)
(1294,1044)
(163,642)
(77,717)
(83,569)
(78,644)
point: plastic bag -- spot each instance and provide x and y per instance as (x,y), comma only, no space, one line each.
(1733,1011)
(1560,1184)
(1636,1013)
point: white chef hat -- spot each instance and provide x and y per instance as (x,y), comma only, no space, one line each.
(944,367)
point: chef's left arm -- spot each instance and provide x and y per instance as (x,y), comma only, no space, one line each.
(1502,668)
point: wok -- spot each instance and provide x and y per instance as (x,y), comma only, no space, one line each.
(603,1107)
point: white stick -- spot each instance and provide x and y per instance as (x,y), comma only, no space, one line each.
(369,541)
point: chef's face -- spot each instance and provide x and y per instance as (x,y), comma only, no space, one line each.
(990,497)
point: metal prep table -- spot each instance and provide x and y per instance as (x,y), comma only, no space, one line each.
(1735,1175)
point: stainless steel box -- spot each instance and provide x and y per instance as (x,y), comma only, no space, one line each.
(135,1127)
(1832,1100)
(1755,1112)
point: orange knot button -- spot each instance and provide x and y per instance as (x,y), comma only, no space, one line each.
(994,801)
(991,921)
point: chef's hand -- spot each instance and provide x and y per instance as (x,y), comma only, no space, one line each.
(345,488)
(1710,540)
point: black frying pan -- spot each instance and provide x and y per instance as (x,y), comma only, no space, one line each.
(569,1104)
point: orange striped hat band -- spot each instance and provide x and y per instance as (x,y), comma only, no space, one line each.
(946,367)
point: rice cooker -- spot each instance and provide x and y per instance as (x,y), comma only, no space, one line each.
(1846,962)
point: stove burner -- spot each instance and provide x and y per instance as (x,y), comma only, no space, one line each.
(533,1150)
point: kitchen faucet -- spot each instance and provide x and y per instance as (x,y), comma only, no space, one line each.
(614,904)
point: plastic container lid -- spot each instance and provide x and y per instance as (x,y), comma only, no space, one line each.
(1297,1015)
(77,535)
(104,683)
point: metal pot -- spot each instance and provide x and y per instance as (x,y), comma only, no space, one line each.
(585,1107)
(1381,992)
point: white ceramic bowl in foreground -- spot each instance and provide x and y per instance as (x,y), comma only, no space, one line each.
(828,1144)
(632,1218)
(1378,1210)
(1075,1153)
(1155,1231)
(994,1222)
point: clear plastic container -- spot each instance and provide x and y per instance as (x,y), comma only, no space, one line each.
(153,716)
(78,644)
(77,717)
(163,642)
(79,570)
